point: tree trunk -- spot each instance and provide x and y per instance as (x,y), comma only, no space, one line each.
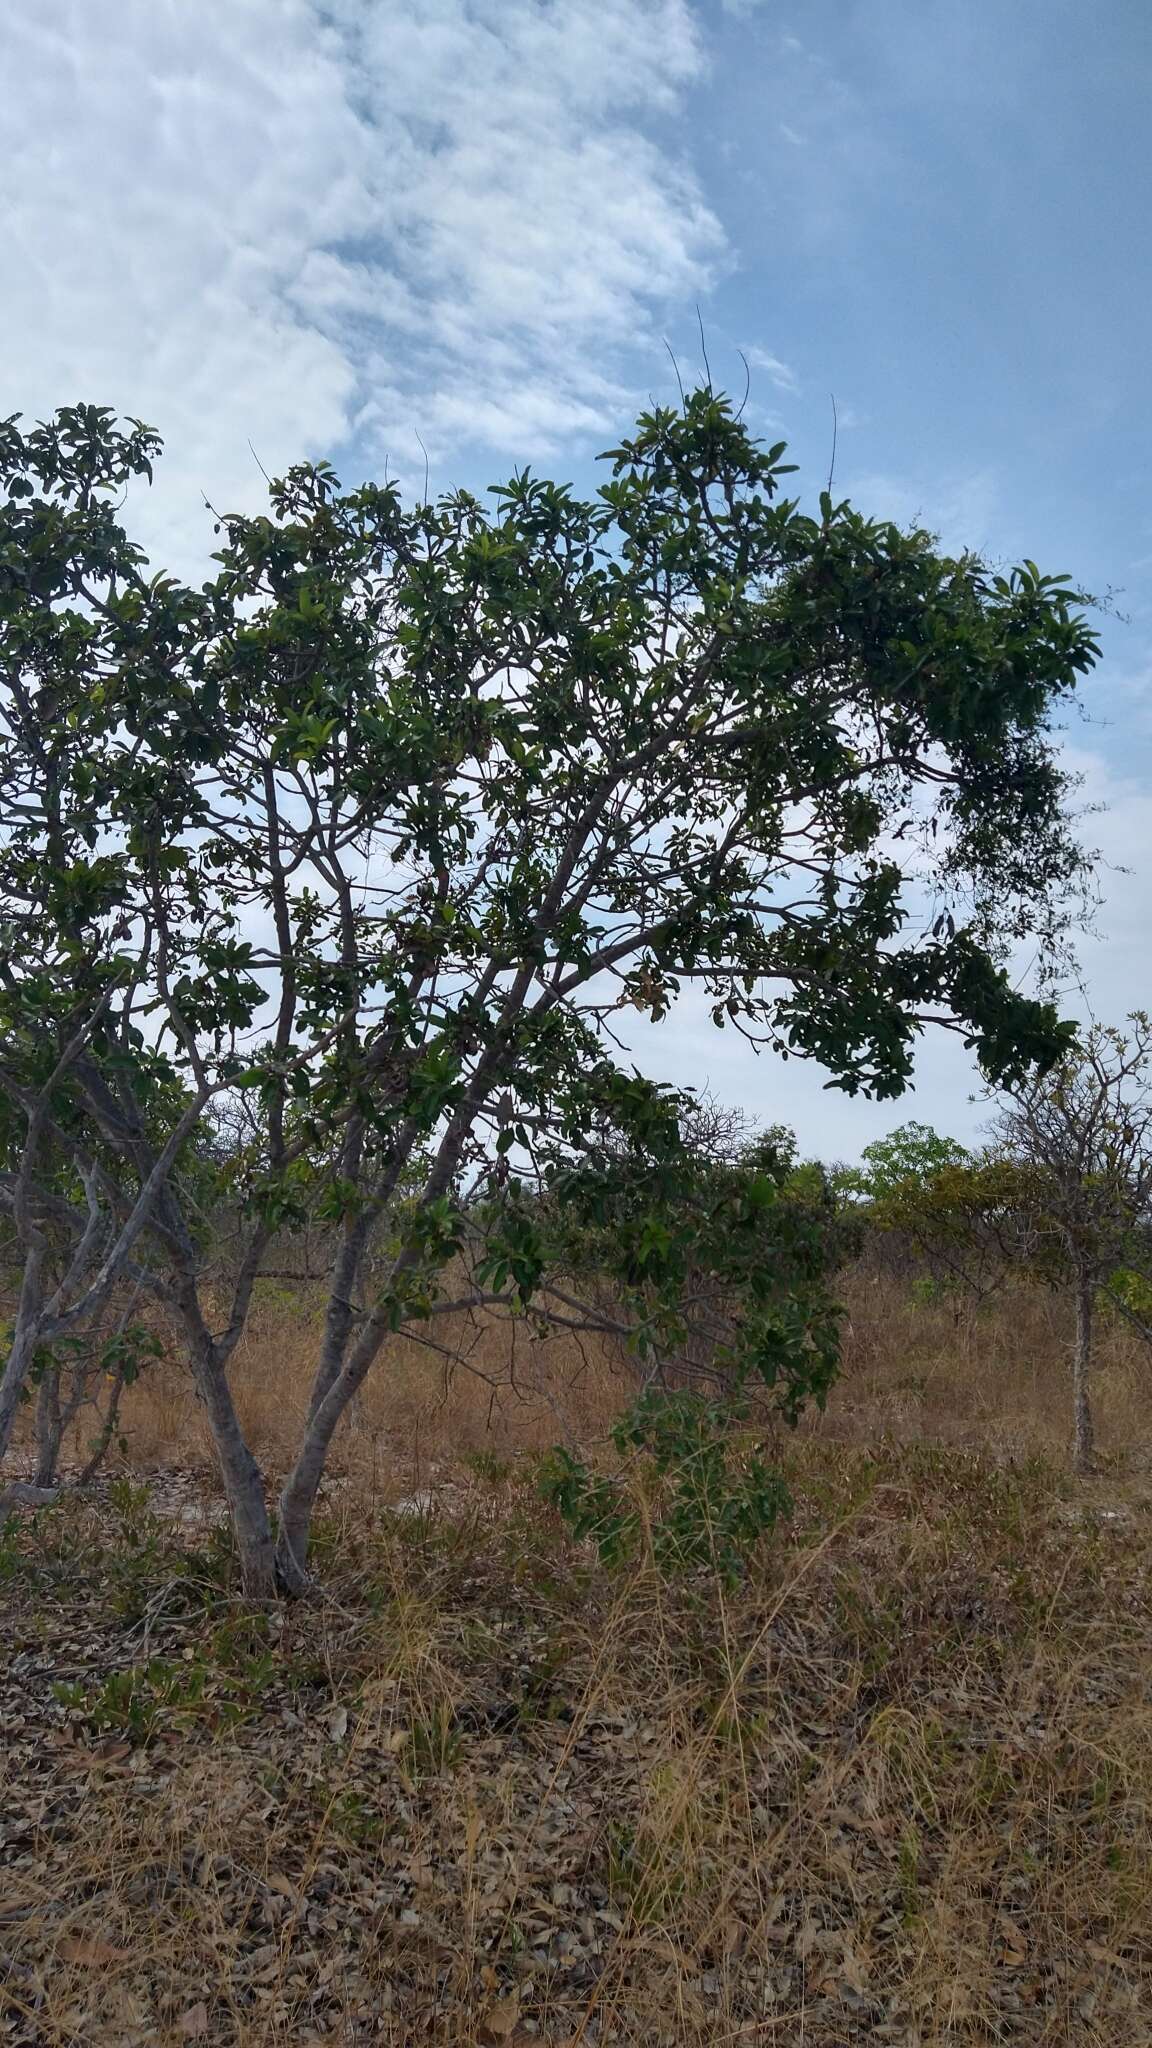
(49,1426)
(298,1498)
(333,1393)
(99,1448)
(248,1511)
(24,1341)
(1083,1435)
(297,1502)
(243,1484)
(242,1477)
(247,1506)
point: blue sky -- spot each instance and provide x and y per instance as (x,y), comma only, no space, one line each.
(325,229)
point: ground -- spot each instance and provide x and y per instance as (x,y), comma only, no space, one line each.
(894,1787)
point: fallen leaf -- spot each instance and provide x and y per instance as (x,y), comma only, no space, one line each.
(1100,1954)
(91,1950)
(77,1756)
(499,2022)
(112,1752)
(1015,1941)
(193,2024)
(855,1969)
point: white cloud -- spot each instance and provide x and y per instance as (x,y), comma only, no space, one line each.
(962,509)
(781,376)
(295,224)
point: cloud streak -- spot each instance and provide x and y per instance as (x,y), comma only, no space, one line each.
(304,226)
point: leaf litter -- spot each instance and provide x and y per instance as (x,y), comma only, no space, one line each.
(895,1788)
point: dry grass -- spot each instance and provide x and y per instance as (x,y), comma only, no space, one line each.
(895,1788)
(914,1370)
(502,1390)
(996,1378)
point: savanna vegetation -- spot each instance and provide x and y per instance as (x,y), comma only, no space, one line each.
(493,1549)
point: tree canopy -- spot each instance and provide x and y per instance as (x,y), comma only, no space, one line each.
(905,1161)
(381,829)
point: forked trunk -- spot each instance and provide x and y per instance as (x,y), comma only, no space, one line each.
(337,1385)
(242,1477)
(243,1488)
(298,1498)
(1083,1435)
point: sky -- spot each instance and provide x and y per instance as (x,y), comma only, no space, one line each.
(475,232)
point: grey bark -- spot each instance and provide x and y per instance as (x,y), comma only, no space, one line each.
(49,1426)
(243,1488)
(241,1475)
(24,1342)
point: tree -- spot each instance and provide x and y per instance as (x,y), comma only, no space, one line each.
(384,827)
(967,1216)
(908,1158)
(1083,1134)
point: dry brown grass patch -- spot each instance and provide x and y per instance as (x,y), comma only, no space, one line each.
(915,1369)
(895,1788)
